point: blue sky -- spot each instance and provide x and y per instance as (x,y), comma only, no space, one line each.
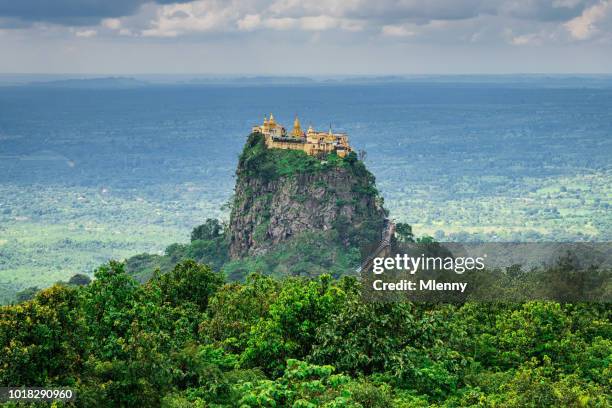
(306,37)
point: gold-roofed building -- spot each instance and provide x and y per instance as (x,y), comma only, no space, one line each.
(313,142)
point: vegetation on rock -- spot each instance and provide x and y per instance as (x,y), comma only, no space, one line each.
(281,194)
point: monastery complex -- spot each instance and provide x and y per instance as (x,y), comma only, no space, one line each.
(313,142)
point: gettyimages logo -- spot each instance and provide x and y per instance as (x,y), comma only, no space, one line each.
(413,264)
(457,272)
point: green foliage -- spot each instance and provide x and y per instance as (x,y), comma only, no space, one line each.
(186,339)
(41,339)
(108,306)
(290,328)
(213,252)
(208,245)
(302,386)
(360,236)
(534,331)
(235,309)
(79,280)
(309,254)
(210,230)
(131,333)
(403,232)
(356,340)
(534,386)
(256,160)
(188,282)
(26,294)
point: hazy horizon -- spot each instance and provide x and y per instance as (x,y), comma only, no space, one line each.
(577,78)
(297,74)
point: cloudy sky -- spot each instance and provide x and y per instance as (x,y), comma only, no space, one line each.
(305,36)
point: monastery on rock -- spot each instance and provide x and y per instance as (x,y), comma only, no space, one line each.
(313,142)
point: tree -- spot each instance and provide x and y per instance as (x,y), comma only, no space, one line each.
(188,282)
(26,294)
(186,340)
(108,306)
(132,336)
(211,229)
(302,385)
(236,308)
(79,280)
(41,339)
(403,232)
(290,327)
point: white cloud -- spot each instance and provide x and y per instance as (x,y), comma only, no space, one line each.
(308,23)
(397,31)
(249,22)
(585,25)
(196,17)
(111,23)
(318,23)
(285,23)
(526,39)
(86,33)
(432,21)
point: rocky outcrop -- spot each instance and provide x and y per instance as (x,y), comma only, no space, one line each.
(280,194)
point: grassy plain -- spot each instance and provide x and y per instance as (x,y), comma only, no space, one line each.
(49,233)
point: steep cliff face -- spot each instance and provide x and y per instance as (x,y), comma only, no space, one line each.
(281,194)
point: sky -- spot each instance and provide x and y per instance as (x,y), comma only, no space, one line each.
(305,37)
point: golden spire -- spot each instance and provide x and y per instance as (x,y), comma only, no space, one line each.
(271,122)
(297,129)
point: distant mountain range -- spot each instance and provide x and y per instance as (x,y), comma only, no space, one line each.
(141,80)
(93,83)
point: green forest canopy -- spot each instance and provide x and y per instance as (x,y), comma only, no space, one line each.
(189,339)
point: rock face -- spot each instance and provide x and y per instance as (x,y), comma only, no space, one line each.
(280,194)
